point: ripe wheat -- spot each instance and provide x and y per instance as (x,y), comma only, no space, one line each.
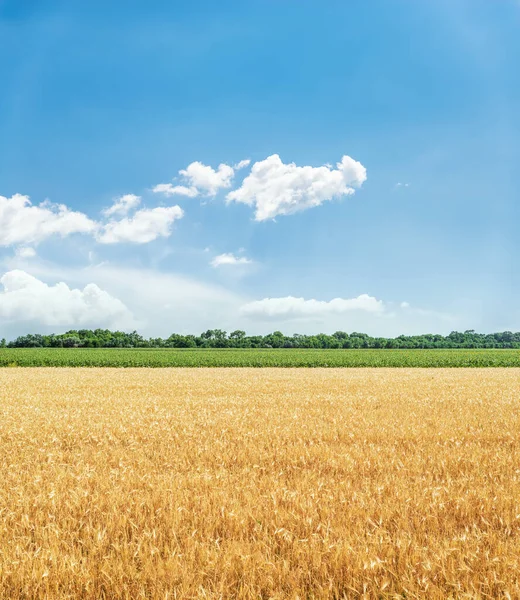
(272,483)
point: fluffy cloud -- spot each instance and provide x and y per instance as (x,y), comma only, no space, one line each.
(229,259)
(275,188)
(160,302)
(24,223)
(144,226)
(201,179)
(123,205)
(206,179)
(26,298)
(296,308)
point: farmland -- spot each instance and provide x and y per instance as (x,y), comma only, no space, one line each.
(259,483)
(255,357)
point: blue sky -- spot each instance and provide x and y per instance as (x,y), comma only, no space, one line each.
(108,100)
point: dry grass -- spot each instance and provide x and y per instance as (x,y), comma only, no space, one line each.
(259,483)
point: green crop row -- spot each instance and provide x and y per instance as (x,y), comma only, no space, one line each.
(82,357)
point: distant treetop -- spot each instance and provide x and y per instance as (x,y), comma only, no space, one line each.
(216,338)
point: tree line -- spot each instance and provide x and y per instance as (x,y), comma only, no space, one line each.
(216,338)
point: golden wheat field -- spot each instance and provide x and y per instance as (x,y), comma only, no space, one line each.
(259,483)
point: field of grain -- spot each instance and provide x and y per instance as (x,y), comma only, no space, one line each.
(271,483)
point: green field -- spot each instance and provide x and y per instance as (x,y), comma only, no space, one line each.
(83,357)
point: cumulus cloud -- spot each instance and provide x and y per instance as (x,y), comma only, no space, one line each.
(160,302)
(189,305)
(26,298)
(295,308)
(275,188)
(21,222)
(206,179)
(123,205)
(144,226)
(230,259)
(201,180)
(25,252)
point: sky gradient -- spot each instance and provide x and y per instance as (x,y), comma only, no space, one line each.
(292,165)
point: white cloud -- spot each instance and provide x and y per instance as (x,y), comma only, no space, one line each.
(401,185)
(206,179)
(162,303)
(145,226)
(230,259)
(295,308)
(202,179)
(275,188)
(123,205)
(25,252)
(26,298)
(24,223)
(169,189)
(242,164)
